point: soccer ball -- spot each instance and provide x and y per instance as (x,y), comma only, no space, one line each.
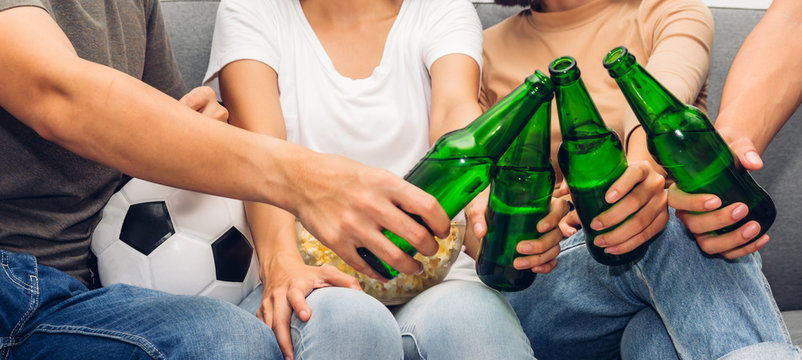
(174,240)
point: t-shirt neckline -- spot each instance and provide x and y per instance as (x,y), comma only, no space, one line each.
(326,60)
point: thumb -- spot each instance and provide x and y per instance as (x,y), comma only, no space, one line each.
(747,154)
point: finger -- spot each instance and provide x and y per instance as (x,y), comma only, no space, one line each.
(637,223)
(640,238)
(475,214)
(297,300)
(715,244)
(411,229)
(381,247)
(426,207)
(334,277)
(353,259)
(746,154)
(562,190)
(715,220)
(545,268)
(747,249)
(570,224)
(281,324)
(558,208)
(681,200)
(646,190)
(540,245)
(191,100)
(531,261)
(635,173)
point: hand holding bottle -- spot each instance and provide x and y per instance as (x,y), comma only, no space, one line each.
(639,205)
(539,255)
(702,213)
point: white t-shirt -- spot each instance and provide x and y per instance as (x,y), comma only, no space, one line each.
(382,120)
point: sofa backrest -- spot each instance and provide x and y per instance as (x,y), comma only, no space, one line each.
(190,24)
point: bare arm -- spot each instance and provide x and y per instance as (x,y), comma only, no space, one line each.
(112,118)
(764,85)
(762,90)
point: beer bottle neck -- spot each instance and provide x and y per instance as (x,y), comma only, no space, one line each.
(648,98)
(532,147)
(492,133)
(578,115)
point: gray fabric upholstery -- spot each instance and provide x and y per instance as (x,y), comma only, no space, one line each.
(190,24)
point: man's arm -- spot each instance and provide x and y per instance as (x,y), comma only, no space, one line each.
(762,90)
(114,119)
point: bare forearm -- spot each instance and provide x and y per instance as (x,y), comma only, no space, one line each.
(764,84)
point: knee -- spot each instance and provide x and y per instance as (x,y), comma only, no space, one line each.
(346,321)
(220,330)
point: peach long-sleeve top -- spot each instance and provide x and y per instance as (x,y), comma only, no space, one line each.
(672,39)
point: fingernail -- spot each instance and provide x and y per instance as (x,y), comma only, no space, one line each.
(753,157)
(526,248)
(762,241)
(612,196)
(713,203)
(538,268)
(302,314)
(596,225)
(739,212)
(420,270)
(572,231)
(544,226)
(521,263)
(611,250)
(750,231)
(477,228)
(600,241)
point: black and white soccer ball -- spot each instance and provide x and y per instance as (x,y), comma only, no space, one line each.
(174,240)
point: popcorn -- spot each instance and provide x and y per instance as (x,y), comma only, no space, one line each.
(396,291)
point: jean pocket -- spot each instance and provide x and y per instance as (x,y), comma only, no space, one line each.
(19,292)
(18,269)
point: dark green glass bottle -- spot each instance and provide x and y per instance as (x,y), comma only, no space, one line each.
(682,140)
(521,185)
(590,156)
(457,167)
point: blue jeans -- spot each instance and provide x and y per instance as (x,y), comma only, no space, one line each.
(453,320)
(706,306)
(47,314)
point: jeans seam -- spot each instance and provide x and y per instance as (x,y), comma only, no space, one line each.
(776,310)
(11,276)
(415,341)
(642,277)
(300,347)
(132,339)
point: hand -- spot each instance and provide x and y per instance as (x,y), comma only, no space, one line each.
(569,224)
(702,214)
(203,100)
(346,205)
(287,283)
(475,222)
(540,255)
(638,192)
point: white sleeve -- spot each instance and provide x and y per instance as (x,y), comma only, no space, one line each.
(244,29)
(454,28)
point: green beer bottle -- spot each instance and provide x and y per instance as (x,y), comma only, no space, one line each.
(682,140)
(521,184)
(590,156)
(457,167)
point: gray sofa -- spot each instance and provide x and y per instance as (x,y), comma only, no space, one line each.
(190,24)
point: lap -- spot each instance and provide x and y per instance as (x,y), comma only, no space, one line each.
(54,314)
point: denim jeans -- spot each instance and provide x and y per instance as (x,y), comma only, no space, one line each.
(47,314)
(455,319)
(706,305)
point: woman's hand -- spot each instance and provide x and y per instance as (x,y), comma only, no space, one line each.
(639,192)
(702,214)
(540,255)
(287,282)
